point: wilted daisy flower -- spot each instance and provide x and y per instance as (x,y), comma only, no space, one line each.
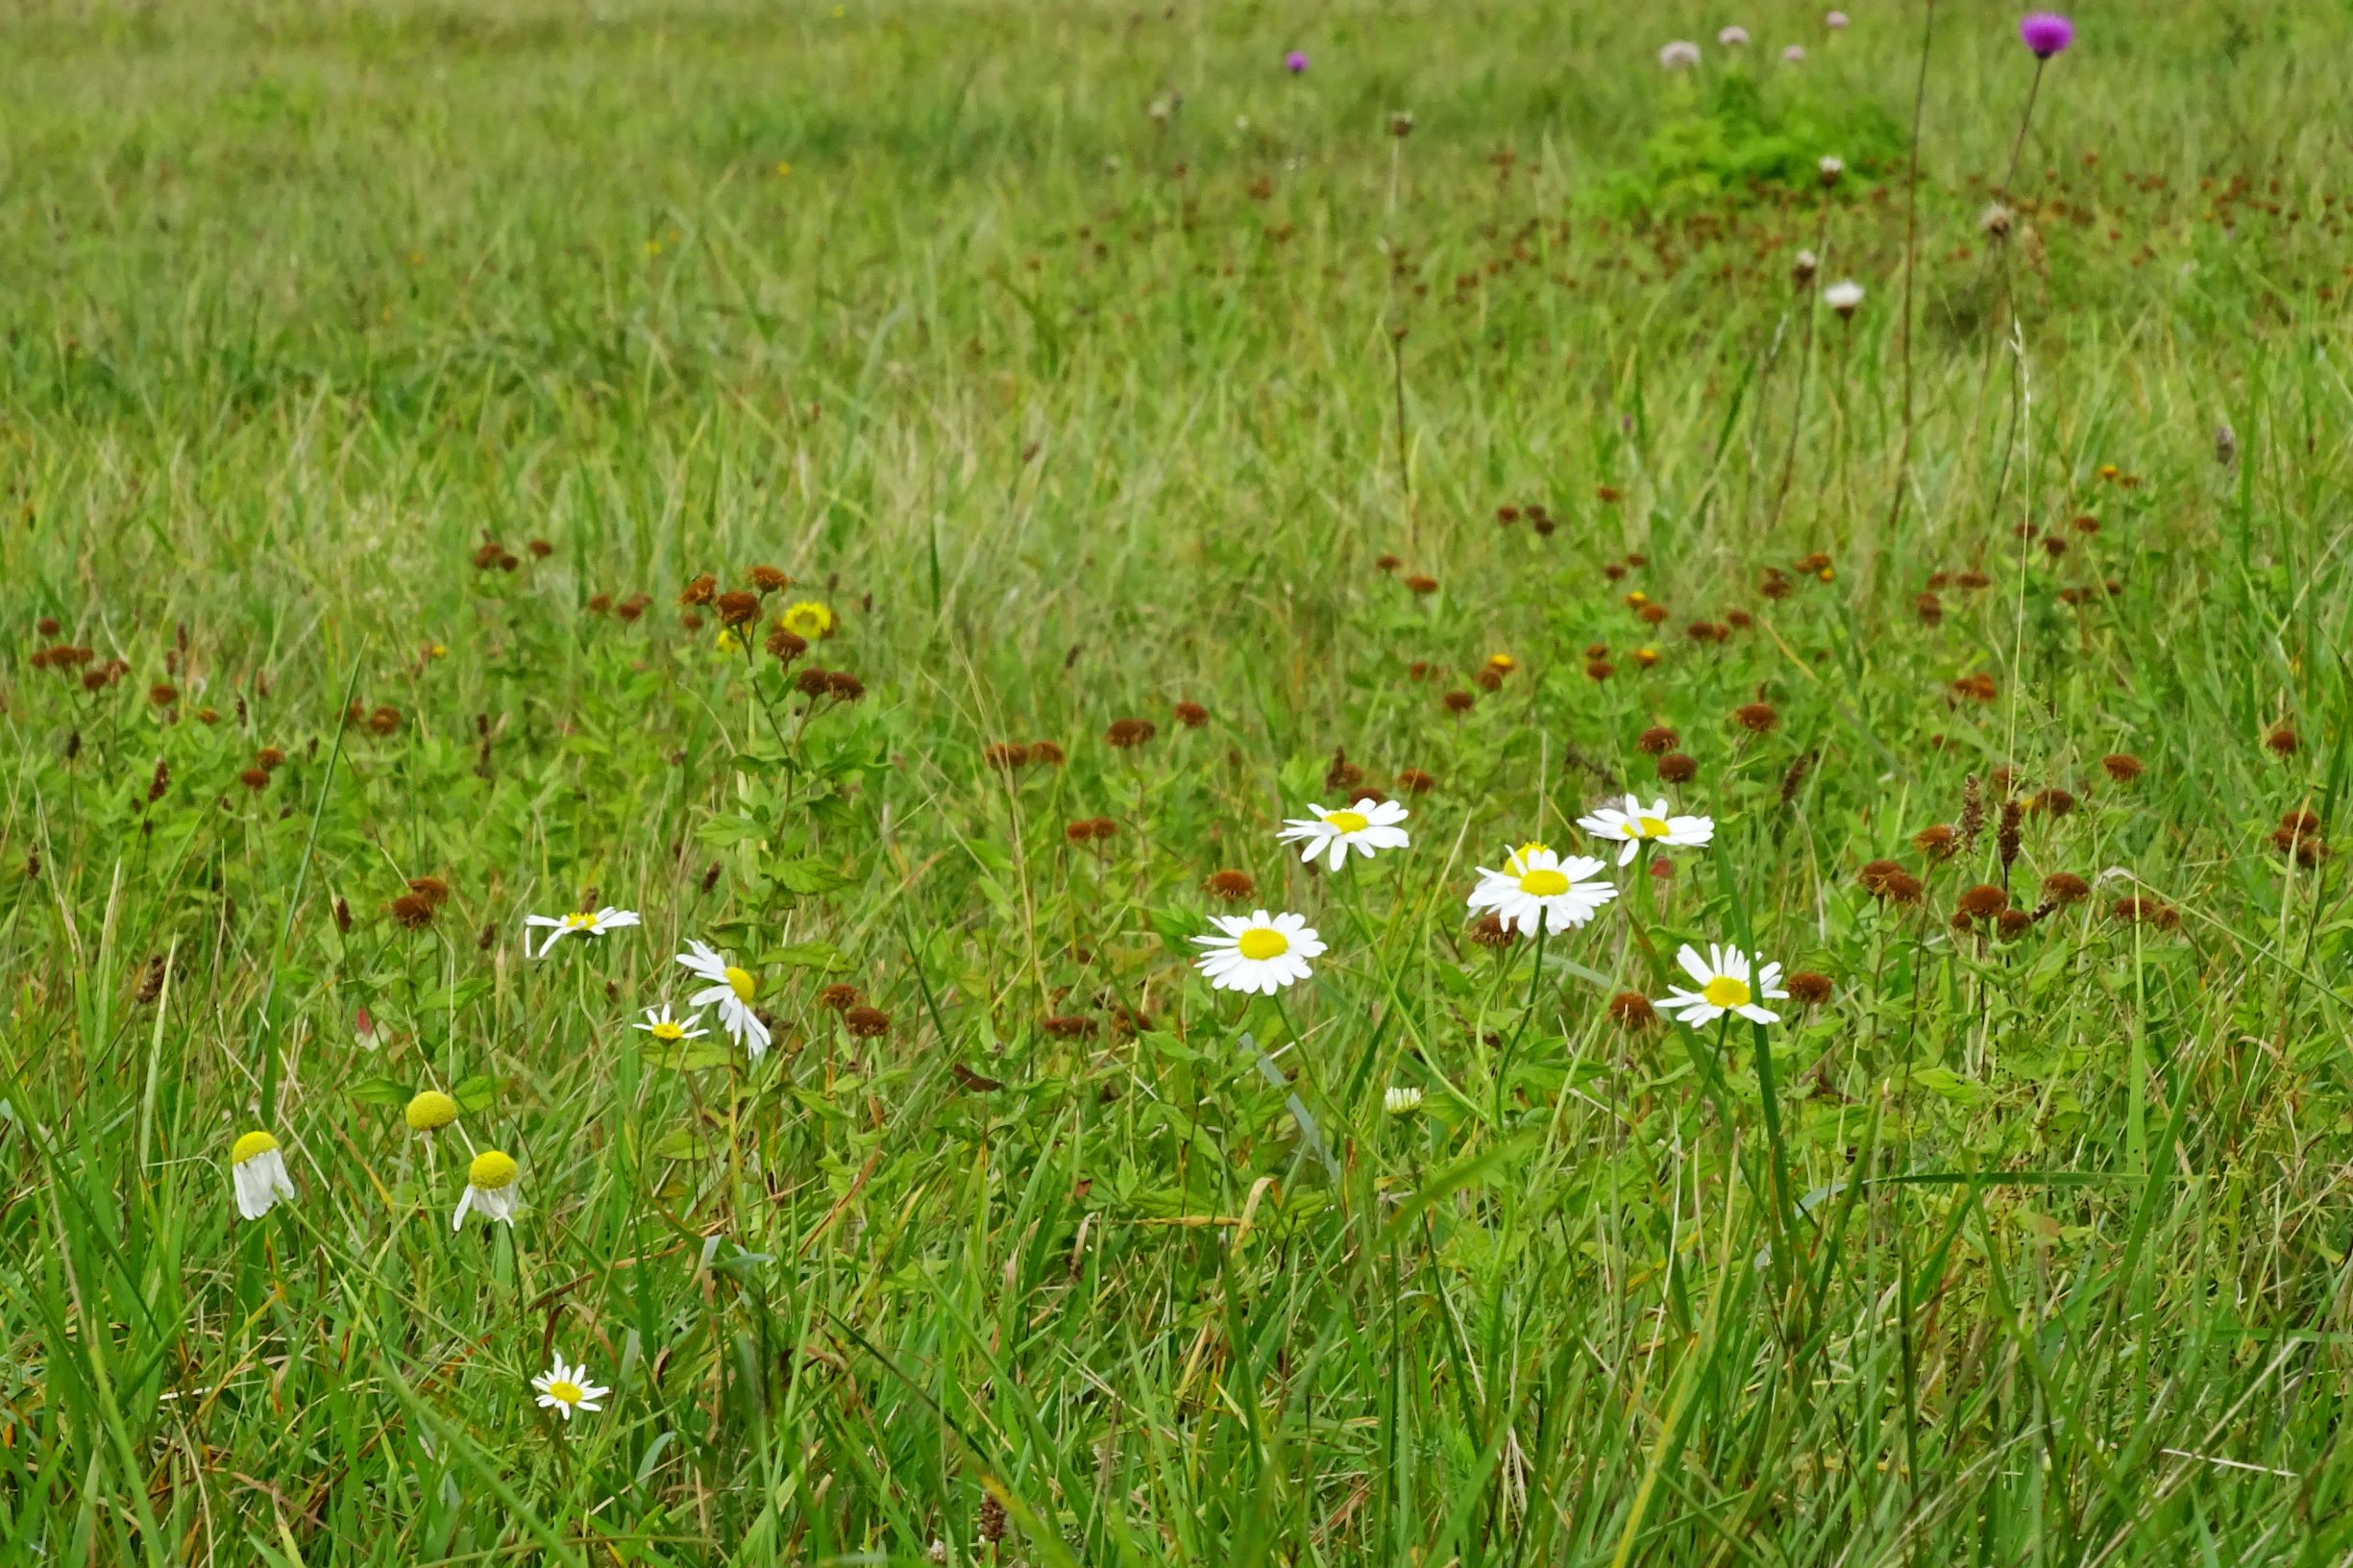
(1727,984)
(1638,825)
(731,995)
(1262,953)
(1539,891)
(671,1030)
(1733,38)
(490,1187)
(1844,297)
(259,1172)
(565,1389)
(587,922)
(1399,1100)
(1369,826)
(1679,54)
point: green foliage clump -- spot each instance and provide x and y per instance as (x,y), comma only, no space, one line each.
(1735,142)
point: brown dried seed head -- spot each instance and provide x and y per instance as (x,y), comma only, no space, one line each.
(1809,989)
(1192,715)
(2121,766)
(1489,931)
(2013,923)
(1678,768)
(701,590)
(1070,1026)
(2283,741)
(411,912)
(1126,734)
(1875,876)
(1233,887)
(1045,754)
(839,997)
(1656,741)
(1904,888)
(256,779)
(1414,781)
(1756,717)
(384,719)
(1458,701)
(2065,887)
(1422,585)
(738,607)
(1633,1010)
(1005,756)
(768,580)
(866,1022)
(1983,902)
(785,645)
(842,686)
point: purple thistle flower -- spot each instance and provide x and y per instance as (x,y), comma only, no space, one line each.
(1297,60)
(2046,33)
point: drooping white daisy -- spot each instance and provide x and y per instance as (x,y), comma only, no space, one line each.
(1401,1100)
(491,1181)
(1369,826)
(587,922)
(731,994)
(1260,953)
(259,1172)
(1638,825)
(671,1030)
(565,1389)
(1727,983)
(1536,888)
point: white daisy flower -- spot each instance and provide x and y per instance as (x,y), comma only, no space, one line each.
(731,994)
(1369,825)
(565,1389)
(1399,1102)
(259,1172)
(588,923)
(491,1181)
(1539,889)
(1638,825)
(670,1030)
(1726,985)
(1262,953)
(1845,297)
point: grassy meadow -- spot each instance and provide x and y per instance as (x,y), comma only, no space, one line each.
(409,414)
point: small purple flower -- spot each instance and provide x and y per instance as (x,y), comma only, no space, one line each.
(2046,33)
(1297,60)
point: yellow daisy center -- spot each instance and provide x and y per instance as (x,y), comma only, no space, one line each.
(1347,821)
(1544,883)
(491,1170)
(1726,992)
(430,1111)
(1650,827)
(668,1031)
(579,922)
(1525,853)
(741,983)
(565,1391)
(1262,942)
(250,1145)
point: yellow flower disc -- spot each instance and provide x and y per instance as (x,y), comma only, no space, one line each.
(430,1112)
(491,1170)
